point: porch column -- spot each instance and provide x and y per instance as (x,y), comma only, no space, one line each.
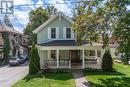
(95,53)
(83,59)
(57,57)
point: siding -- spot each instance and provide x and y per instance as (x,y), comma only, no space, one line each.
(42,36)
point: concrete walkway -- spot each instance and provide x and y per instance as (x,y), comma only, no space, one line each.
(79,78)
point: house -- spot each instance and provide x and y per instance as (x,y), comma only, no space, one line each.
(18,41)
(56,43)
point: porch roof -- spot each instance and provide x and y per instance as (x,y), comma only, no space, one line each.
(62,43)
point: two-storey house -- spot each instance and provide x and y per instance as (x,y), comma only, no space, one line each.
(57,46)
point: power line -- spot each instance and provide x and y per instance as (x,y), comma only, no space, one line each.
(49,3)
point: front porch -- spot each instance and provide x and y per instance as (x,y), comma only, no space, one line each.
(71,58)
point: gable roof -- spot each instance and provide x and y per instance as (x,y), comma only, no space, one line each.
(51,19)
(5,28)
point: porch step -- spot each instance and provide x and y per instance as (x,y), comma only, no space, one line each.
(79,78)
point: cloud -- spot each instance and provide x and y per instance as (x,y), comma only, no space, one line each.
(20,18)
(128,7)
(61,7)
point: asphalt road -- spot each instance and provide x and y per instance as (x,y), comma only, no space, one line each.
(11,74)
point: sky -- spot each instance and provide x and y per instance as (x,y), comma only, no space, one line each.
(20,17)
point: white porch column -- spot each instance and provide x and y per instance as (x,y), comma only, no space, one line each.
(95,53)
(83,59)
(57,57)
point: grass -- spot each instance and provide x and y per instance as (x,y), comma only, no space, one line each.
(55,80)
(119,78)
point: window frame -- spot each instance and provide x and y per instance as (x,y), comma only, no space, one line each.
(68,33)
(53,55)
(52,33)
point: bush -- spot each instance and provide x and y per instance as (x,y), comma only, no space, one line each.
(107,63)
(34,60)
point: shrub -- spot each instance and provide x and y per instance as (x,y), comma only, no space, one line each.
(34,60)
(107,63)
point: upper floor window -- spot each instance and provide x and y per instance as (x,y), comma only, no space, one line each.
(68,32)
(53,32)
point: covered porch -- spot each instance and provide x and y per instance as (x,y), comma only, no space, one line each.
(70,57)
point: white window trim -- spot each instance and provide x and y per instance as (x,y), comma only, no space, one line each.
(64,33)
(49,33)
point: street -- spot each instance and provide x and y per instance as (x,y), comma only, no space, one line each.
(11,74)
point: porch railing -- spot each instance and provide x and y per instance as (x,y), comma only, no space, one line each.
(93,64)
(62,64)
(65,64)
(52,64)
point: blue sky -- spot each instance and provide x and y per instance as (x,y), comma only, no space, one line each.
(20,17)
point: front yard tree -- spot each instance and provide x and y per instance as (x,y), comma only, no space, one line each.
(86,22)
(107,63)
(122,32)
(34,60)
(36,18)
(121,26)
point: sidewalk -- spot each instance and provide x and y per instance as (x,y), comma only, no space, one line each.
(80,79)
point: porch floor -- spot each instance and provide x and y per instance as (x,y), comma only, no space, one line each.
(76,66)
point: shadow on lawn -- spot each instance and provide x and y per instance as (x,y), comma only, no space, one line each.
(56,76)
(103,73)
(113,82)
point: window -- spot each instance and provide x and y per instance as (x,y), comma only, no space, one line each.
(99,53)
(92,52)
(53,32)
(53,54)
(68,32)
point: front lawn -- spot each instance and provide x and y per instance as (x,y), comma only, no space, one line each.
(55,80)
(119,78)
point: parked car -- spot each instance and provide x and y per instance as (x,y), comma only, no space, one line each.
(16,61)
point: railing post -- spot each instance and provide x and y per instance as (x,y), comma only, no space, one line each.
(96,53)
(83,59)
(57,56)
(69,64)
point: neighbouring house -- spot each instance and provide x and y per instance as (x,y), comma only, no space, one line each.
(57,46)
(18,41)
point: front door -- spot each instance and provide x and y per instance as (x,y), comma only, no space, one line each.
(75,56)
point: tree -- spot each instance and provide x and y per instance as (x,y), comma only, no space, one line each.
(34,60)
(6,49)
(107,63)
(86,22)
(122,32)
(36,18)
(119,22)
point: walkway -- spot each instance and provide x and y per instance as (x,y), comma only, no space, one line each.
(79,78)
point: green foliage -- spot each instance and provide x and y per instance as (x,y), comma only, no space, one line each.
(34,60)
(122,31)
(105,40)
(6,48)
(86,22)
(36,18)
(120,77)
(107,63)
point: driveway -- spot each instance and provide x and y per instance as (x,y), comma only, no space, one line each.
(11,74)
